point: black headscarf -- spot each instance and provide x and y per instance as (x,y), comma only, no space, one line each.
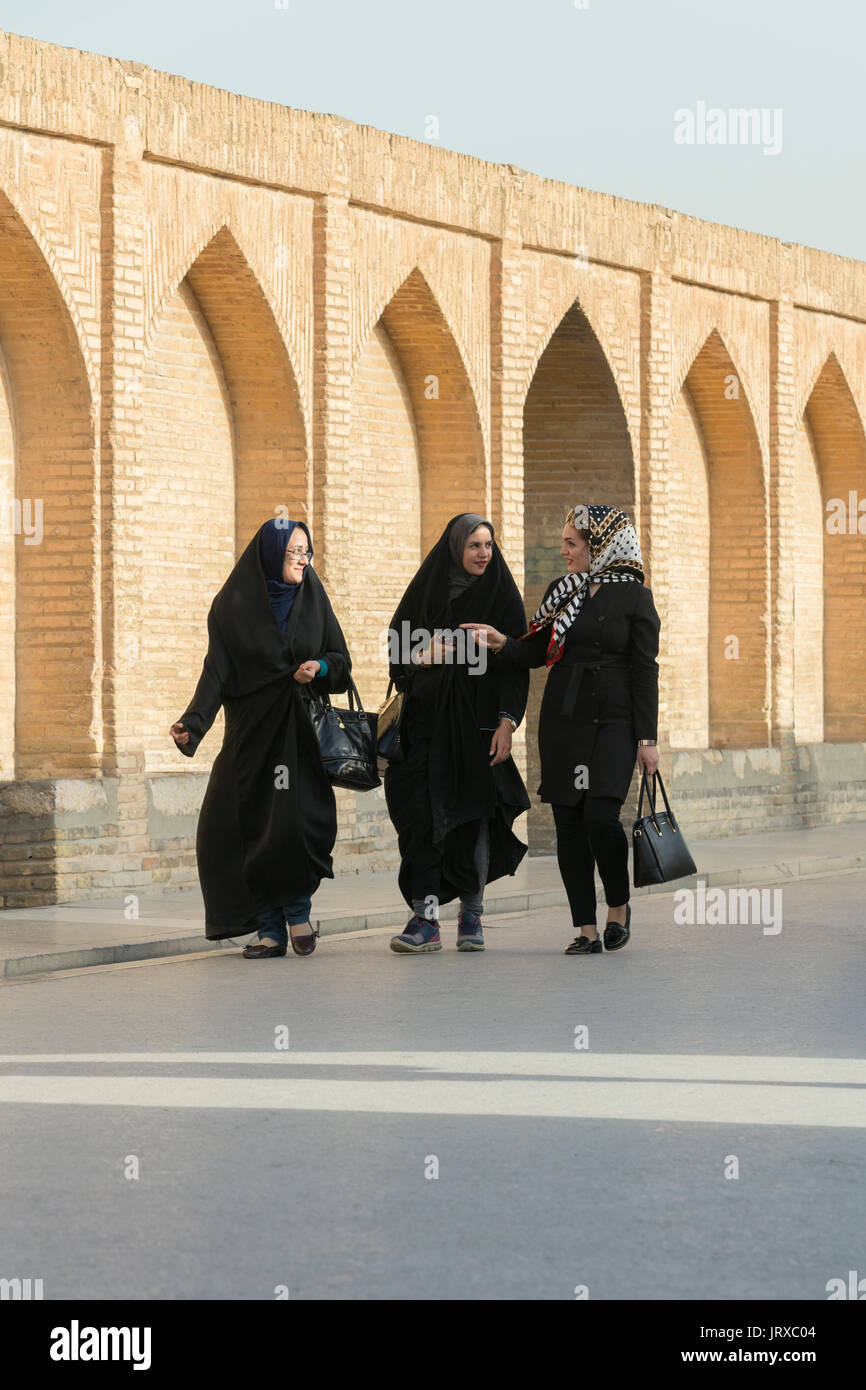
(274,539)
(431,602)
(246,635)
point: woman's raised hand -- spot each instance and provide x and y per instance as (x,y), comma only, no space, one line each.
(488,636)
(179,734)
(307,671)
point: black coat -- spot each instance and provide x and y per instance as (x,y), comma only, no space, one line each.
(438,796)
(268,821)
(600,697)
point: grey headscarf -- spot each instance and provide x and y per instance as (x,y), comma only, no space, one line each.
(458,578)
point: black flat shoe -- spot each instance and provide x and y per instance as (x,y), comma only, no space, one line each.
(304,944)
(584,946)
(257,950)
(616,934)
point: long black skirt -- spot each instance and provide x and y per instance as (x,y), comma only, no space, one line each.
(268,820)
(447,869)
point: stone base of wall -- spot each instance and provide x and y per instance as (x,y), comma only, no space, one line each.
(737,791)
(103,838)
(97,838)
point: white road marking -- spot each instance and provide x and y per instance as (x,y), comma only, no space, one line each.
(667,1101)
(802,1071)
(609,1086)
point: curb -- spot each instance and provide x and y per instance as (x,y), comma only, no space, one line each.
(756,876)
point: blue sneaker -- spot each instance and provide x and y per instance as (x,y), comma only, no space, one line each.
(469,934)
(420,935)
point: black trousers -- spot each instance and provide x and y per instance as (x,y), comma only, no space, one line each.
(587,834)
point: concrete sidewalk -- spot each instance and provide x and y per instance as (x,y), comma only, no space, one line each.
(67,936)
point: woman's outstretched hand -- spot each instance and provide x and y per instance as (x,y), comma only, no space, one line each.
(487,636)
(307,671)
(500,746)
(179,734)
(647,759)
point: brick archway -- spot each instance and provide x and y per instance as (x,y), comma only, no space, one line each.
(576,448)
(224,446)
(417,457)
(830,573)
(716,671)
(49,588)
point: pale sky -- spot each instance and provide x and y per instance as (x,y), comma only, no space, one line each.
(587,94)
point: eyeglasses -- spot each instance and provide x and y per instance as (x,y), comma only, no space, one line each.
(299,554)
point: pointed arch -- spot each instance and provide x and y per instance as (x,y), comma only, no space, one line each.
(830,582)
(576,448)
(821,361)
(224,446)
(717,664)
(417,451)
(23,210)
(49,579)
(223,229)
(431,304)
(563,302)
(711,332)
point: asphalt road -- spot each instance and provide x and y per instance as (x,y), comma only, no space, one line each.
(439,1126)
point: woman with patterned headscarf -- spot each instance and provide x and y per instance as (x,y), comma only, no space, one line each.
(597,631)
(268,821)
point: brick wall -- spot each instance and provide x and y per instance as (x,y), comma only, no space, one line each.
(213,307)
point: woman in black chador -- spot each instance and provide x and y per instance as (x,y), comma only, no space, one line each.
(455,797)
(598,631)
(268,820)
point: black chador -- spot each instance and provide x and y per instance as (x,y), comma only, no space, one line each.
(439,795)
(268,820)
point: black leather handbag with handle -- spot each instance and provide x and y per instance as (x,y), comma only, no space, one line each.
(660,852)
(347,740)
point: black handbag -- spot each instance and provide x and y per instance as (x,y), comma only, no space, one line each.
(389,744)
(660,852)
(347,740)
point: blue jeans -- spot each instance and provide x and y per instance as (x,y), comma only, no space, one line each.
(274,923)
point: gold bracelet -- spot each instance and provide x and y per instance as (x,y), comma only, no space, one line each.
(647,743)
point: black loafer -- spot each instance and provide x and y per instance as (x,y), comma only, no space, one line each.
(615,934)
(305,943)
(257,950)
(584,946)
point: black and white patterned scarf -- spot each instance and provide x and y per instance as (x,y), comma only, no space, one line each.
(614,558)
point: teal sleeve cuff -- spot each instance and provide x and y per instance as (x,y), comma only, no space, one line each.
(323,668)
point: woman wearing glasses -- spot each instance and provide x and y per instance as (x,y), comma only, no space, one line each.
(268,820)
